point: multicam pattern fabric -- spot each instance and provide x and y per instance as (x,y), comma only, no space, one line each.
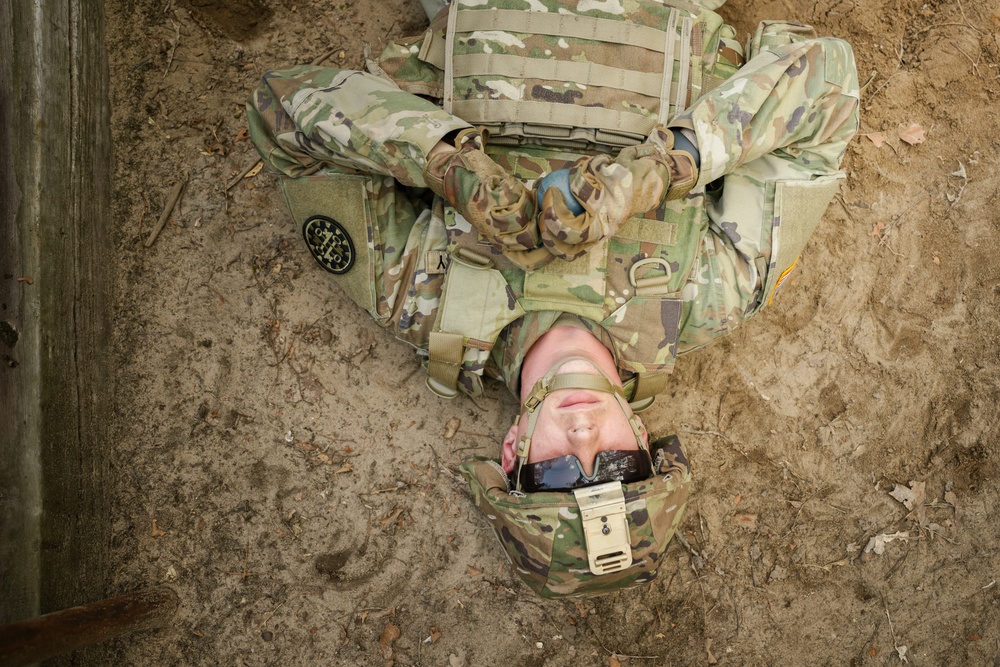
(514,64)
(542,533)
(787,115)
(650,286)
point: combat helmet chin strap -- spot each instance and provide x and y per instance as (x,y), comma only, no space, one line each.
(551,382)
(602,506)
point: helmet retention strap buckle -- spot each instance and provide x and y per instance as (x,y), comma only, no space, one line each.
(605,527)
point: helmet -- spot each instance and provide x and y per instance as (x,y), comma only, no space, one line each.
(593,538)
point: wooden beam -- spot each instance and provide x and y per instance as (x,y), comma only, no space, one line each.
(61,632)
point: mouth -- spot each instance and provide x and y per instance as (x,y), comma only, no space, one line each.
(578,398)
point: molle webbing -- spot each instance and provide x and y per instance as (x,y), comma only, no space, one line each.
(503,86)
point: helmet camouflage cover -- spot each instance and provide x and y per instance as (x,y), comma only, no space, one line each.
(543,532)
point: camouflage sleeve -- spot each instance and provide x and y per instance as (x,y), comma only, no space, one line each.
(786,117)
(800,98)
(308,116)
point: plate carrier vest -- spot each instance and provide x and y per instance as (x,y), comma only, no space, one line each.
(550,80)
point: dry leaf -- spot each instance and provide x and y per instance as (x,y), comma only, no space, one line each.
(471,571)
(877,543)
(708,650)
(30,281)
(385,642)
(748,521)
(960,172)
(877,138)
(391,518)
(913,135)
(242,135)
(435,634)
(613,661)
(910,497)
(256,170)
(451,428)
(877,229)
(936,260)
(347,467)
(155,531)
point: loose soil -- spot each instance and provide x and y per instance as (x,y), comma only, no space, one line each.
(280,464)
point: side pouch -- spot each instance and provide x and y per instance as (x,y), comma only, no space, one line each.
(345,201)
(798,207)
(476,305)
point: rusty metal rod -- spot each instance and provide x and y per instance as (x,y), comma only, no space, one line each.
(61,632)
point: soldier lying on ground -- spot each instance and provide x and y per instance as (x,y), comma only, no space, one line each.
(604,189)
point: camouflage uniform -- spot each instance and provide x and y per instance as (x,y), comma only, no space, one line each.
(771,139)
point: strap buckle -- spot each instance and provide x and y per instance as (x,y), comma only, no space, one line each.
(605,527)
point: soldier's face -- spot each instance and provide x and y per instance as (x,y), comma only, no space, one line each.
(580,422)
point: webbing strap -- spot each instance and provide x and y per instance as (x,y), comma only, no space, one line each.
(668,69)
(445,351)
(546,113)
(449,59)
(561,25)
(685,66)
(432,51)
(648,385)
(588,74)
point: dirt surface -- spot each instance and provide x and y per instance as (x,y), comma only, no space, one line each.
(279,463)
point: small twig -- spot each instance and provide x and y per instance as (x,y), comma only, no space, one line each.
(843,204)
(884,84)
(268,617)
(975,63)
(173,49)
(943,25)
(868,82)
(320,59)
(967,24)
(175,194)
(239,176)
(719,435)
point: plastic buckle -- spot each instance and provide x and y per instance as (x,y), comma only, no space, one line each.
(440,389)
(605,527)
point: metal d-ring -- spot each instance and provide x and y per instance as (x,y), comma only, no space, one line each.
(654,281)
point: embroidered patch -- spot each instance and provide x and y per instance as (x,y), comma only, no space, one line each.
(329,243)
(437,262)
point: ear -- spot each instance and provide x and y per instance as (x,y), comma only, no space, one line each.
(509,450)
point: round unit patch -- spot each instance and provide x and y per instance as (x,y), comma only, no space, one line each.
(329,243)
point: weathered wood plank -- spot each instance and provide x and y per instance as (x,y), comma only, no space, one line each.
(54,119)
(61,632)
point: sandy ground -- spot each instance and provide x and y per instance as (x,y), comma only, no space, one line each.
(279,463)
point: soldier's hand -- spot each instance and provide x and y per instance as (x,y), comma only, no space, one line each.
(608,191)
(496,203)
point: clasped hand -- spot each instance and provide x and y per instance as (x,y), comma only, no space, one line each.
(571,209)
